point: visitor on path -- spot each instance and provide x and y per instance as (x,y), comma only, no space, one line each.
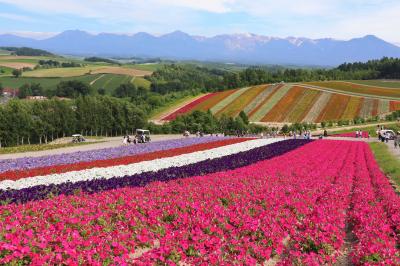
(125,141)
(325,133)
(396,140)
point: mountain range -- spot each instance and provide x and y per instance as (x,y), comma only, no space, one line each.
(229,48)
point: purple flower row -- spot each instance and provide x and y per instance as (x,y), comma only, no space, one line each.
(99,154)
(201,168)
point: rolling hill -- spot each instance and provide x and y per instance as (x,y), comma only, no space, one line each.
(315,102)
(240,48)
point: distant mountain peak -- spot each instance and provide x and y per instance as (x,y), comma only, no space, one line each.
(248,48)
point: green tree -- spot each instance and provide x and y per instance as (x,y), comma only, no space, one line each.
(72,89)
(244,117)
(125,90)
(17,73)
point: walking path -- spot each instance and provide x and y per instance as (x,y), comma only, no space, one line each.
(395,152)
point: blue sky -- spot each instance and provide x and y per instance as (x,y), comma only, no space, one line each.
(281,18)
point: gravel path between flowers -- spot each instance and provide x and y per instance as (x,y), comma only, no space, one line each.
(106,143)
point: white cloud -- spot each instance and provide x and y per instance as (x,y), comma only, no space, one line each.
(310,18)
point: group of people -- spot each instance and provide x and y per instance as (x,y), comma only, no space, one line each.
(132,140)
(359,134)
(302,135)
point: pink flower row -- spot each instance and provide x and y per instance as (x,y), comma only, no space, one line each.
(292,208)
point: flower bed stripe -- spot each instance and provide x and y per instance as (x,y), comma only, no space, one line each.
(383,107)
(234,108)
(352,108)
(366,109)
(268,89)
(188,107)
(226,101)
(278,113)
(253,115)
(271,102)
(180,168)
(318,106)
(99,154)
(375,107)
(57,169)
(304,105)
(394,106)
(134,168)
(334,108)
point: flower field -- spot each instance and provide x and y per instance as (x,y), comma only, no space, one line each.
(295,103)
(202,201)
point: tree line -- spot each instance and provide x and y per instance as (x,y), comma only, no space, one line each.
(202,79)
(29,122)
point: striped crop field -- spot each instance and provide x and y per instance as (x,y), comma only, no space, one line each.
(290,103)
(358,89)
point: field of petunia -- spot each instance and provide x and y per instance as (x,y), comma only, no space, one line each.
(205,201)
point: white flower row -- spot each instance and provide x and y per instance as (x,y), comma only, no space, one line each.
(135,168)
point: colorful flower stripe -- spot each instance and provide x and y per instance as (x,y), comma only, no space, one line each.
(358,88)
(334,108)
(268,89)
(176,169)
(134,168)
(100,154)
(188,107)
(216,109)
(234,108)
(383,107)
(317,108)
(208,104)
(301,109)
(56,169)
(269,103)
(353,108)
(252,115)
(366,109)
(376,240)
(266,213)
(394,106)
(278,113)
(364,134)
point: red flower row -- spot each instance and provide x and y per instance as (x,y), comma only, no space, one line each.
(188,107)
(56,169)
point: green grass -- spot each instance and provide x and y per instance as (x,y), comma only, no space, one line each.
(141,82)
(61,72)
(110,82)
(37,147)
(107,81)
(147,67)
(7,71)
(389,164)
(379,83)
(47,83)
(155,113)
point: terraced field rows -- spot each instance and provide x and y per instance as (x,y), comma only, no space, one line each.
(97,81)
(293,103)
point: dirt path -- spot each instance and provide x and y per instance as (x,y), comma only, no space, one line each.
(395,152)
(108,143)
(354,126)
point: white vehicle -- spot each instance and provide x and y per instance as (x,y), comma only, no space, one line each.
(387,133)
(142,136)
(76,138)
